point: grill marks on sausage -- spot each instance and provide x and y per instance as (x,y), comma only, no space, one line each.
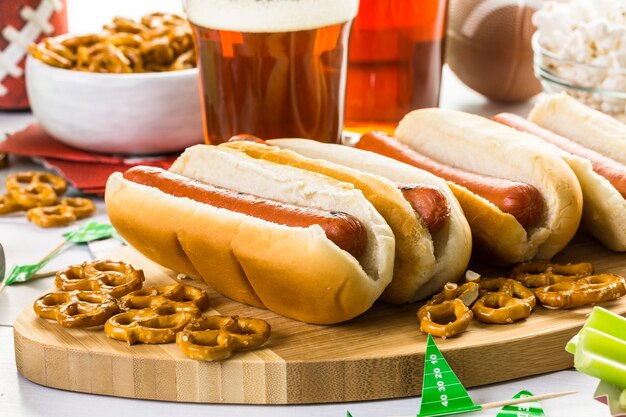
(343,229)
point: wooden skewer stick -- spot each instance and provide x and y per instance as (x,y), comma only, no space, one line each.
(514,401)
(526,400)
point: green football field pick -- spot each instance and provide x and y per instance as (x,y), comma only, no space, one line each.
(530,409)
(442,392)
(87,233)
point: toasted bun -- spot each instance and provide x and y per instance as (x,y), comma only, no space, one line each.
(480,145)
(414,279)
(296,272)
(604,209)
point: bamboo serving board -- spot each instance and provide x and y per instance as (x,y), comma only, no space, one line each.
(379,354)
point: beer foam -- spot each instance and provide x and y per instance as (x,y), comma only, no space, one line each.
(262,16)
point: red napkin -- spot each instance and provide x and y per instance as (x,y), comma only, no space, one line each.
(86,171)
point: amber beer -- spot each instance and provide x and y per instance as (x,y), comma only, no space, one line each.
(272,68)
(395,60)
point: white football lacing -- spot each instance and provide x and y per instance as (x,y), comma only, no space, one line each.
(37,22)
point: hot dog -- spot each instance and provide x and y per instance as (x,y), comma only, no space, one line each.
(607,167)
(428,202)
(258,232)
(433,240)
(342,229)
(593,145)
(475,155)
(521,200)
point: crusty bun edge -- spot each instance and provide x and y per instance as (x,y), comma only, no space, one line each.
(296,272)
(486,147)
(452,245)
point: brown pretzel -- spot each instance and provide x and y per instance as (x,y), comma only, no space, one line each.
(159,42)
(34,196)
(589,290)
(446,319)
(115,278)
(30,178)
(76,308)
(505,301)
(150,325)
(52,216)
(182,297)
(540,273)
(8,205)
(82,207)
(214,338)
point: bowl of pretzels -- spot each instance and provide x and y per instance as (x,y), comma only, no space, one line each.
(131,88)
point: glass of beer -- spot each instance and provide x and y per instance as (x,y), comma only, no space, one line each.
(272,68)
(395,60)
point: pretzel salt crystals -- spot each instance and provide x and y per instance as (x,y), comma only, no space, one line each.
(589,290)
(183,298)
(76,308)
(51,216)
(505,301)
(535,274)
(214,338)
(446,314)
(150,325)
(115,278)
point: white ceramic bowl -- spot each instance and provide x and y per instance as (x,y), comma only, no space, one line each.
(146,113)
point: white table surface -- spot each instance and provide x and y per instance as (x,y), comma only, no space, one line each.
(25,243)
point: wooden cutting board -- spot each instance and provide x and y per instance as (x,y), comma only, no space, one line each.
(377,355)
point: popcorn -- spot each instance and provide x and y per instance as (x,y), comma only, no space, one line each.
(591,33)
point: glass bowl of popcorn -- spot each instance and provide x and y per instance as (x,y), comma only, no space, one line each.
(580,48)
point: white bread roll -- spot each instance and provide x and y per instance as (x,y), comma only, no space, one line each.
(451,246)
(573,120)
(604,208)
(476,144)
(296,272)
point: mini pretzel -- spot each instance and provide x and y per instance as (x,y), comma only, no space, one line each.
(8,205)
(159,42)
(82,207)
(214,338)
(446,319)
(182,297)
(589,290)
(34,196)
(149,325)
(76,308)
(52,216)
(115,278)
(540,273)
(32,178)
(507,301)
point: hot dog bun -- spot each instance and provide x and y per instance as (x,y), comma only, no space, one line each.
(423,263)
(604,212)
(482,146)
(296,272)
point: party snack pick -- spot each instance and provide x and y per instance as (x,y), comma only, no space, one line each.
(87,233)
(529,409)
(444,395)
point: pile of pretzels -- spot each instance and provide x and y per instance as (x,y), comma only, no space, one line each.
(506,300)
(157,42)
(110,293)
(41,195)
